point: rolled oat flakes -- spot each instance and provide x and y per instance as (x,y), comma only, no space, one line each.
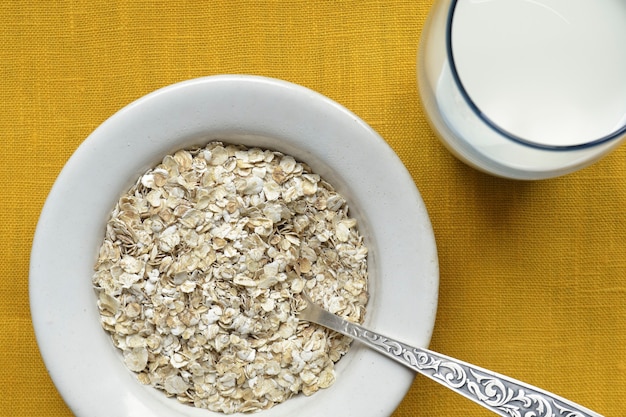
(199,275)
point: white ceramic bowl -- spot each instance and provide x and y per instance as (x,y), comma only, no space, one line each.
(255,111)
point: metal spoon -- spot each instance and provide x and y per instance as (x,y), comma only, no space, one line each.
(502,395)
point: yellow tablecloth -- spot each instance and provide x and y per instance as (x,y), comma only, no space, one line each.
(533,274)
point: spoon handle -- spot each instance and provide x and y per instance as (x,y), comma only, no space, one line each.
(502,395)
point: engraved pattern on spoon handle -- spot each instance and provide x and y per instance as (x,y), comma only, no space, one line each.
(502,395)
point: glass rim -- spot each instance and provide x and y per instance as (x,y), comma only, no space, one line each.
(493,125)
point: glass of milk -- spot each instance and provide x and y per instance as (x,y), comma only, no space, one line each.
(526,89)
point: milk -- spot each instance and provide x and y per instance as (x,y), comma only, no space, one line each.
(546,73)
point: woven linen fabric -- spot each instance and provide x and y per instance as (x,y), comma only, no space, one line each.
(532,274)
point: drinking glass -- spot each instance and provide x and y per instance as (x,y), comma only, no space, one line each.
(525,89)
